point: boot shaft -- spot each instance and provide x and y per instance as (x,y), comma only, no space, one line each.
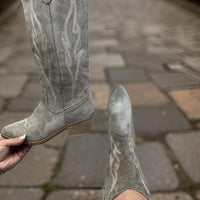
(58,32)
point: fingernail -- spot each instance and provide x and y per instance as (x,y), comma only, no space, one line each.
(22,137)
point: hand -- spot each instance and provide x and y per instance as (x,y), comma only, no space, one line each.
(12,151)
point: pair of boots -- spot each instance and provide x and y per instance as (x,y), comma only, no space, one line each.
(58,32)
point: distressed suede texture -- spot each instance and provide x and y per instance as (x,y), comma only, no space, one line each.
(123,170)
(58,32)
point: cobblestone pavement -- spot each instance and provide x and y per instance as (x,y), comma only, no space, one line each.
(152,47)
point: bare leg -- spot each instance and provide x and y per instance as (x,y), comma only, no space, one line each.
(130,195)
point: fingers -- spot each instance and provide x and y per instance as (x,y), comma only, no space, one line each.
(24,151)
(12,141)
(19,155)
(14,159)
(6,144)
(11,152)
(4,153)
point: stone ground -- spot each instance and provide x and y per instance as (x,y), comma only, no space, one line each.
(151,47)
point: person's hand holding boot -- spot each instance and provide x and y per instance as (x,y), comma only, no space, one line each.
(12,151)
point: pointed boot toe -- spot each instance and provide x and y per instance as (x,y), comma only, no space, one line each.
(120,111)
(119,95)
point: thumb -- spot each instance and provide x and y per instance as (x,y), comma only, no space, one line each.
(12,141)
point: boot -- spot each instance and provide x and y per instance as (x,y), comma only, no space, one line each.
(58,31)
(123,171)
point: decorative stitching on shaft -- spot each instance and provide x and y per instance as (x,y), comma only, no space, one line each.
(57,60)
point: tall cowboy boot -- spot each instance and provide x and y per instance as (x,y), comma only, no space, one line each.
(123,171)
(58,31)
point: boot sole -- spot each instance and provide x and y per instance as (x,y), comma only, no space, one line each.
(82,127)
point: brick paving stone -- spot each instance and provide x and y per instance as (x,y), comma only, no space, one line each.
(1,104)
(172,196)
(174,80)
(97,73)
(100,93)
(3,70)
(188,101)
(107,33)
(173,67)
(145,94)
(193,62)
(34,78)
(84,162)
(21,193)
(100,122)
(153,29)
(10,117)
(126,47)
(57,142)
(32,90)
(157,167)
(75,195)
(126,75)
(5,53)
(101,45)
(154,41)
(36,168)
(197,124)
(156,120)
(96,50)
(22,68)
(187,42)
(23,104)
(23,59)
(197,195)
(24,47)
(11,85)
(128,23)
(97,27)
(8,41)
(112,24)
(165,54)
(128,35)
(107,60)
(185,146)
(14,69)
(104,42)
(110,32)
(143,61)
(14,30)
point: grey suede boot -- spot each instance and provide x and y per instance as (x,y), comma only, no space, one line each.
(58,31)
(123,171)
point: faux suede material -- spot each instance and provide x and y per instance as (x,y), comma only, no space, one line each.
(123,171)
(80,111)
(58,31)
(38,126)
(43,122)
(46,1)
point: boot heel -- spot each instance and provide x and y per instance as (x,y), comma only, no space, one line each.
(80,128)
